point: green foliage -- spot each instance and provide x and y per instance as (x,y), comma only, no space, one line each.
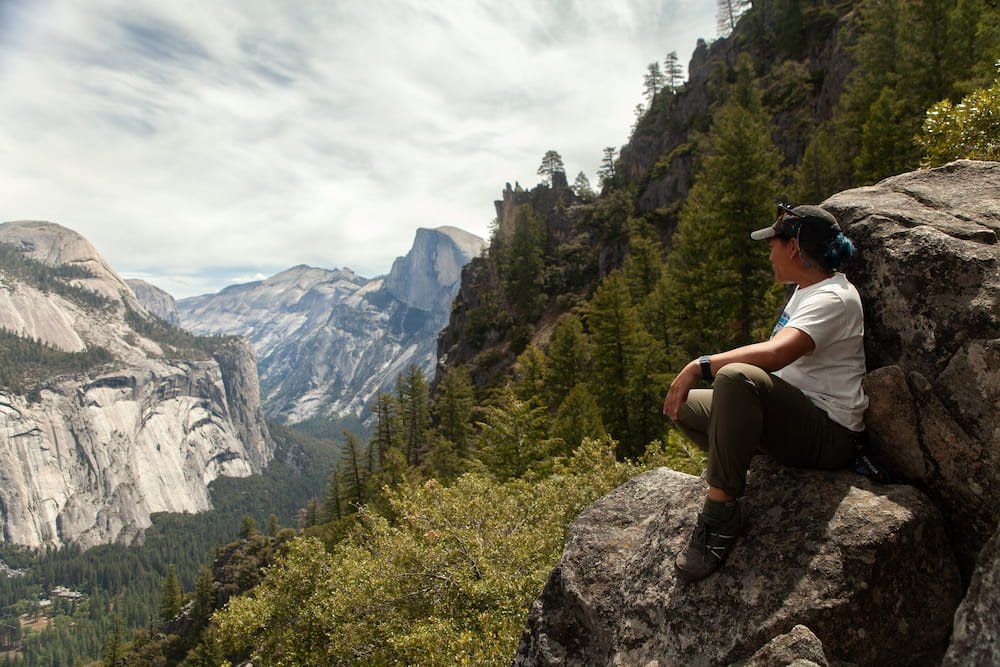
(175,341)
(170,595)
(627,366)
(514,438)
(577,419)
(523,280)
(569,358)
(969,129)
(608,171)
(414,412)
(910,54)
(717,277)
(530,370)
(673,72)
(248,527)
(824,169)
(454,408)
(582,187)
(448,580)
(26,364)
(652,82)
(886,138)
(551,163)
(57,279)
(643,264)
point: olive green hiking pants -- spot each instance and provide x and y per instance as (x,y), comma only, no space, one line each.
(750,411)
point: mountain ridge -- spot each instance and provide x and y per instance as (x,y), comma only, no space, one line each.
(329,340)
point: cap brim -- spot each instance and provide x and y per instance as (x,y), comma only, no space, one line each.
(762,234)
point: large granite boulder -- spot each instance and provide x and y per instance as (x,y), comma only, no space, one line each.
(867,568)
(976,636)
(929,276)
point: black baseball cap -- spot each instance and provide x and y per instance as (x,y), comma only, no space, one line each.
(811,224)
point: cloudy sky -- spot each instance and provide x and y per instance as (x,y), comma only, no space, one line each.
(199,144)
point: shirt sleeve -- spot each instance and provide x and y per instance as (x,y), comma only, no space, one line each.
(822,316)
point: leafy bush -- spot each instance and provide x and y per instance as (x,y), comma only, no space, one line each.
(969,129)
(446,577)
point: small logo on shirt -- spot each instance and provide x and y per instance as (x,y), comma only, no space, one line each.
(782,321)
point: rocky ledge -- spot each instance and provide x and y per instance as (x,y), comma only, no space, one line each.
(866,568)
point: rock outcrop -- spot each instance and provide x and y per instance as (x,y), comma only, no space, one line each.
(155,300)
(427,277)
(929,276)
(88,456)
(976,636)
(866,568)
(328,341)
(799,647)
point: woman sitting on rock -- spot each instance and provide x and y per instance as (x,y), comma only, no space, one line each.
(796,397)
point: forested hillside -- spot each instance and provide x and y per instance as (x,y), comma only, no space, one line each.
(435,536)
(70,607)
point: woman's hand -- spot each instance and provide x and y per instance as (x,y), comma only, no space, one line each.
(679,389)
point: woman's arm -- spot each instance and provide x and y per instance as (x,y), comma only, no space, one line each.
(787,345)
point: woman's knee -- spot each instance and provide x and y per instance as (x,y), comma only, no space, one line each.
(740,374)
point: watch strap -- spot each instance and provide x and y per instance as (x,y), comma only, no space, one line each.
(706,368)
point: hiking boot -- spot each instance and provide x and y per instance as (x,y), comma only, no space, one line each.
(709,545)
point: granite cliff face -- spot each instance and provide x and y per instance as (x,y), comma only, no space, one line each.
(88,456)
(869,574)
(329,340)
(155,300)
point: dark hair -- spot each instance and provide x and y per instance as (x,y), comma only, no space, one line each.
(832,255)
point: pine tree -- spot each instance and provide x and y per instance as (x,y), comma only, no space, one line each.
(568,359)
(625,356)
(582,187)
(606,173)
(312,513)
(454,408)
(643,264)
(824,170)
(578,417)
(353,468)
(204,595)
(529,376)
(652,82)
(272,525)
(170,595)
(673,72)
(727,13)
(415,416)
(887,145)
(551,163)
(388,429)
(332,507)
(514,438)
(717,277)
(248,527)
(523,285)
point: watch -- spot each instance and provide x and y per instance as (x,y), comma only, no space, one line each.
(706,368)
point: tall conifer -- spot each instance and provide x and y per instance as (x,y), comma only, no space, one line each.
(170,595)
(569,359)
(717,276)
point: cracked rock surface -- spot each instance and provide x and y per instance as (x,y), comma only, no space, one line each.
(929,276)
(91,456)
(866,568)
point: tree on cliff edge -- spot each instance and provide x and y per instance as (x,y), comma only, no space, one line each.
(551,163)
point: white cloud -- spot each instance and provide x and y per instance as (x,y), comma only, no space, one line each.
(194,143)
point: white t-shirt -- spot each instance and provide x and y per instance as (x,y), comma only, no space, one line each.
(830,313)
